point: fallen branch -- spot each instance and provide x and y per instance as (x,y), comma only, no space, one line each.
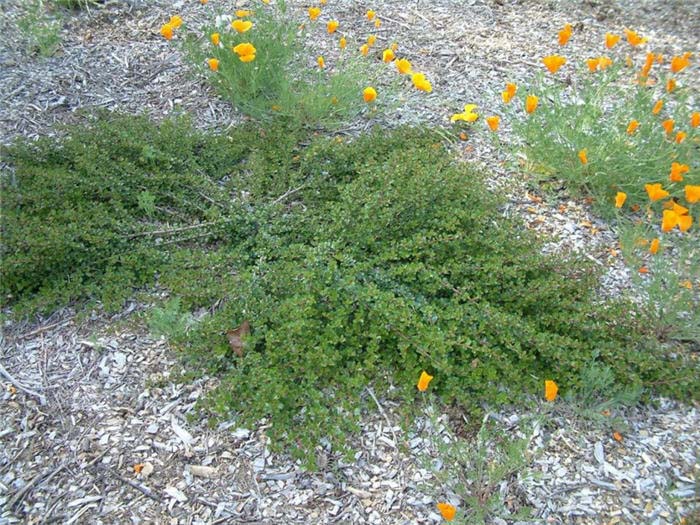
(141,488)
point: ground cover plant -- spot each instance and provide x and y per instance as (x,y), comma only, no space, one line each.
(352,263)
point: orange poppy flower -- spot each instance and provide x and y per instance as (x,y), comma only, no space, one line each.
(655,192)
(364,50)
(669,220)
(531,103)
(632,126)
(370,15)
(509,92)
(677,171)
(371,39)
(314,12)
(242,13)
(611,40)
(670,85)
(646,68)
(424,379)
(654,246)
(678,64)
(593,64)
(331,26)
(680,210)
(620,199)
(668,125)
(680,137)
(377,23)
(447,511)
(692,194)
(695,119)
(342,42)
(175,21)
(633,38)
(684,222)
(493,122)
(657,107)
(604,63)
(565,34)
(403,66)
(241,26)
(215,39)
(421,83)
(321,62)
(388,55)
(213,64)
(583,156)
(550,390)
(643,269)
(553,62)
(166,31)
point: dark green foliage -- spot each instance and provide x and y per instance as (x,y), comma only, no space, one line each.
(354,264)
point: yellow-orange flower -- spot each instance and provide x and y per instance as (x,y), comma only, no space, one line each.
(447,511)
(241,26)
(342,42)
(677,171)
(531,103)
(215,38)
(657,107)
(632,126)
(377,23)
(403,66)
(175,21)
(424,379)
(369,94)
(388,55)
(654,246)
(213,64)
(620,199)
(583,156)
(370,15)
(633,38)
(593,64)
(467,115)
(678,64)
(371,39)
(509,92)
(685,222)
(695,119)
(553,62)
(604,63)
(680,210)
(394,47)
(670,85)
(167,30)
(565,34)
(421,83)
(655,192)
(493,122)
(332,26)
(321,62)
(245,51)
(648,63)
(242,13)
(668,125)
(314,12)
(550,390)
(669,220)
(611,40)
(680,137)
(692,194)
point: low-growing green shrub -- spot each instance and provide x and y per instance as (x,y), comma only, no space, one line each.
(354,264)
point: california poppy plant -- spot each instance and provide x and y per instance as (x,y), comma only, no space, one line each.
(692,194)
(632,126)
(314,13)
(620,199)
(213,64)
(677,171)
(167,31)
(332,26)
(658,106)
(371,39)
(655,192)
(423,381)
(668,125)
(678,64)
(241,26)
(175,21)
(680,137)
(565,34)
(531,103)
(633,38)
(648,63)
(467,115)
(553,62)
(654,246)
(403,66)
(245,51)
(242,13)
(342,43)
(369,94)
(388,55)
(421,83)
(370,15)
(550,390)
(364,50)
(215,39)
(583,156)
(509,92)
(321,62)
(447,511)
(611,40)
(493,122)
(670,85)
(695,119)
(593,64)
